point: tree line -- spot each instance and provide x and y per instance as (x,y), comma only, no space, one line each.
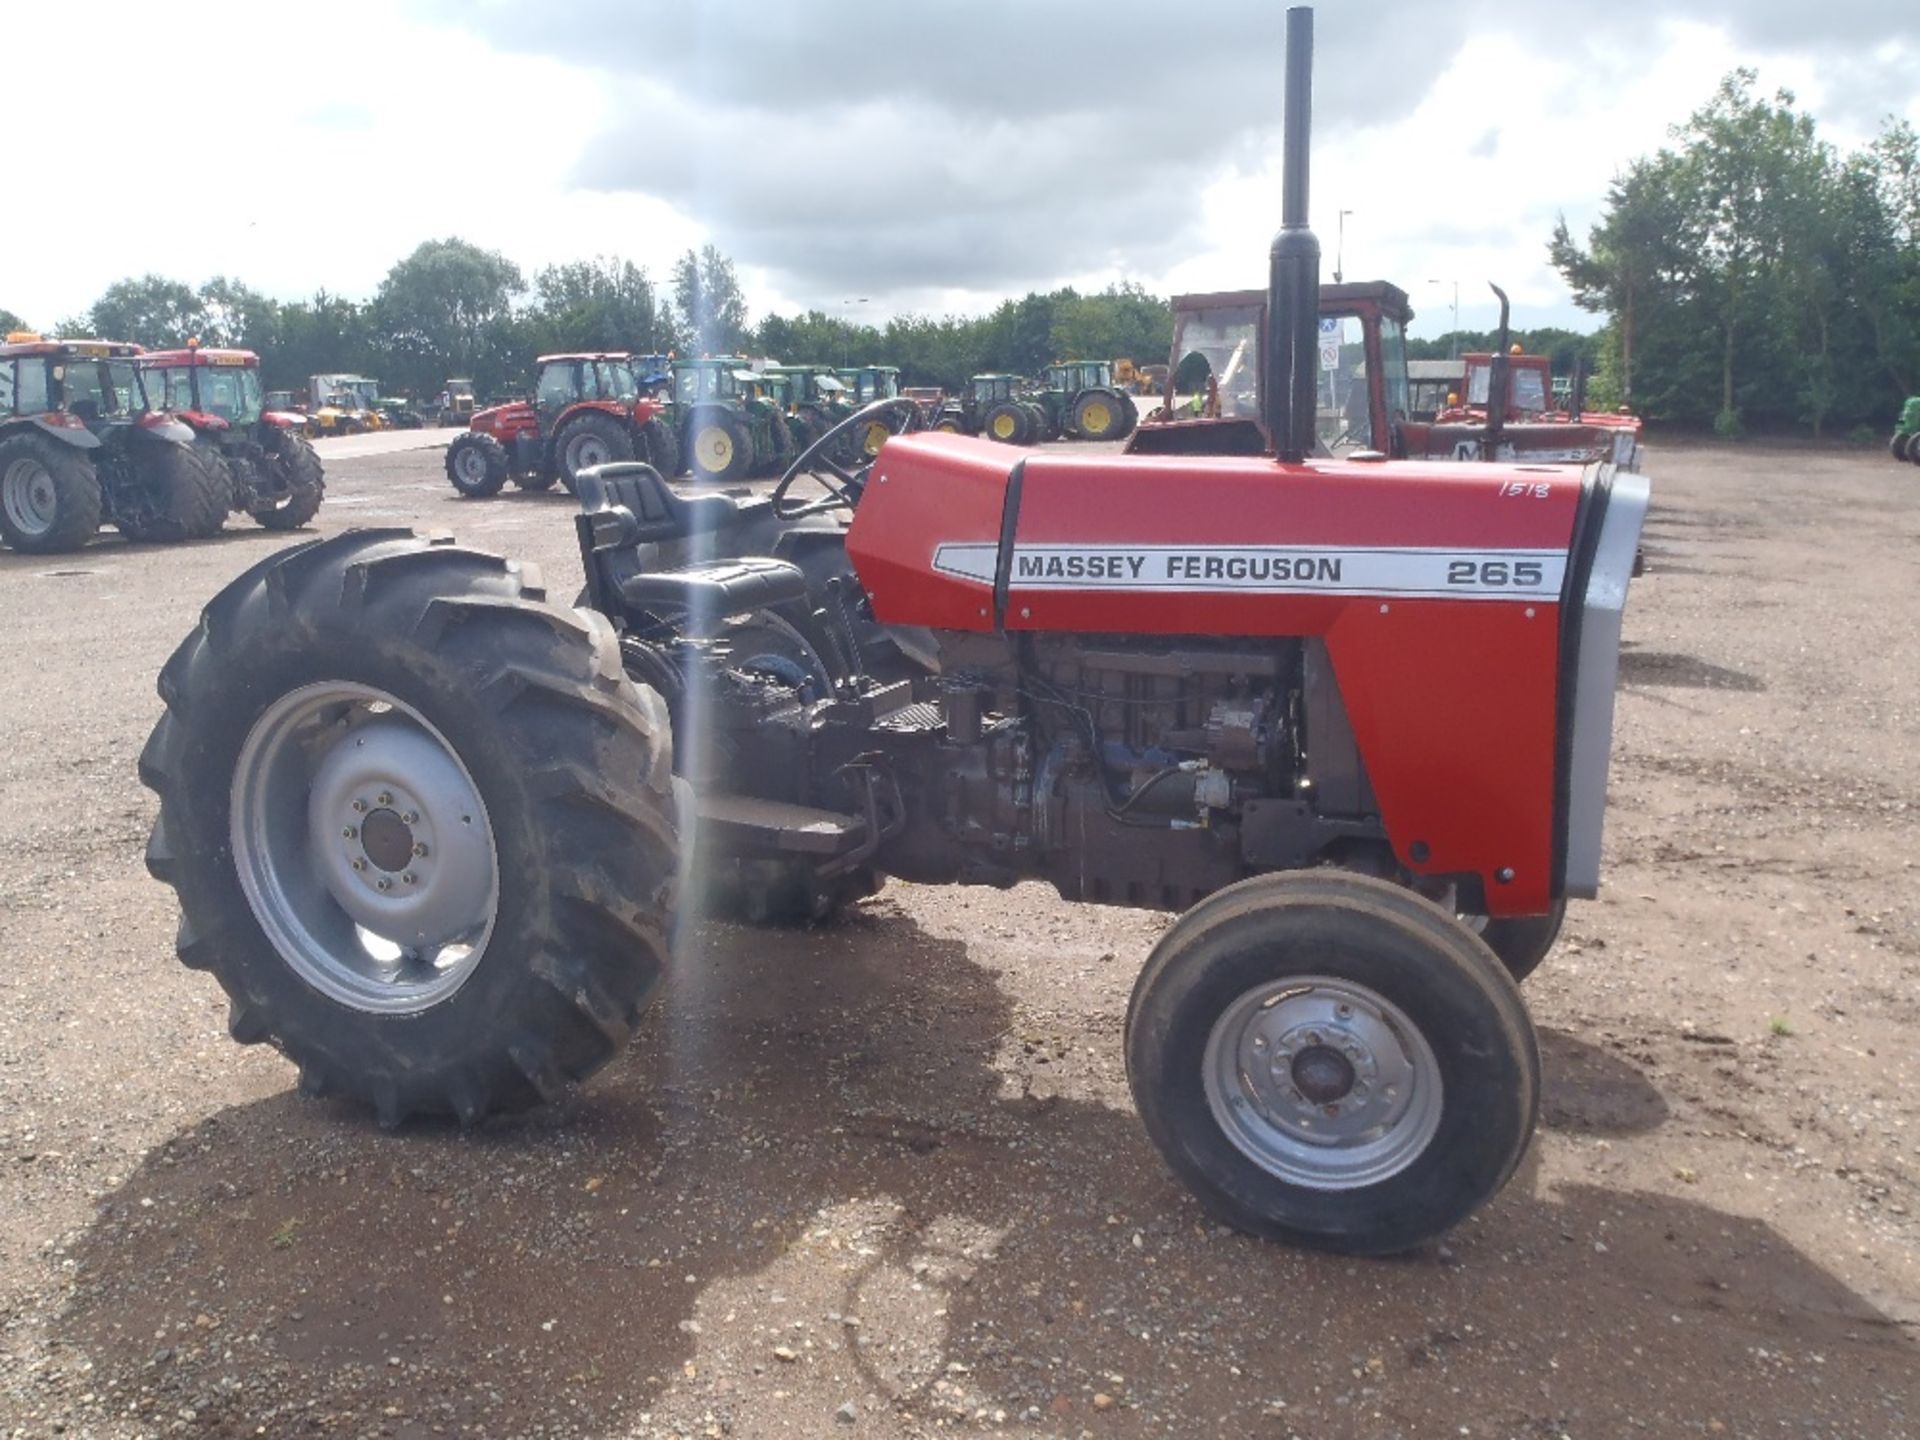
(454,309)
(1755,276)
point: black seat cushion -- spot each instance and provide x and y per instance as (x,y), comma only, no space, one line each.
(628,503)
(716,589)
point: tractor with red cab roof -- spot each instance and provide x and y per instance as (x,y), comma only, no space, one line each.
(81,443)
(1330,710)
(270,470)
(588,408)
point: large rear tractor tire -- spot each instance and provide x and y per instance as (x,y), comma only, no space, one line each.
(49,496)
(477,465)
(592,439)
(719,447)
(230,484)
(191,491)
(662,446)
(303,481)
(420,822)
(1333,1061)
(1010,422)
(1100,415)
(1897,446)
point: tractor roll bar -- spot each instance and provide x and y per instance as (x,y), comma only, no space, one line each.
(1293,265)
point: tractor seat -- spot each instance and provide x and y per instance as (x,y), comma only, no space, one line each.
(626,505)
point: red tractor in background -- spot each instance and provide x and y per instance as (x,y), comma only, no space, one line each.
(587,410)
(271,472)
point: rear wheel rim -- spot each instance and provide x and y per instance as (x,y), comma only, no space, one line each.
(1322,1082)
(1097,418)
(471,464)
(364,848)
(1003,427)
(586,451)
(714,447)
(30,497)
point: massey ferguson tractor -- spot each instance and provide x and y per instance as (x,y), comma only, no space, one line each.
(268,469)
(587,410)
(80,443)
(430,836)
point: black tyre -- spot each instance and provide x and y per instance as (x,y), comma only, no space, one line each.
(1044,425)
(1913,447)
(952,424)
(1100,415)
(185,493)
(419,821)
(49,495)
(477,465)
(592,439)
(1331,1060)
(1520,943)
(663,448)
(302,485)
(1901,445)
(228,479)
(536,480)
(1010,422)
(781,435)
(719,446)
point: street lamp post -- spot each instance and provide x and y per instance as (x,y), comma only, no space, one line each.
(1340,246)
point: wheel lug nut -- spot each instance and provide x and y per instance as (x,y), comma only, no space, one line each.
(421,851)
(350,832)
(407,878)
(410,818)
(359,807)
(385,797)
(383,883)
(359,864)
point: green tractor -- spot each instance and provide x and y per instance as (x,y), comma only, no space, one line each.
(1082,400)
(866,384)
(996,406)
(814,397)
(1906,432)
(731,424)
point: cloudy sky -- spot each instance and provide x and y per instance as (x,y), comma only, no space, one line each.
(869,158)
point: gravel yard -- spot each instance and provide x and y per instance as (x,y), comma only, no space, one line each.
(884,1178)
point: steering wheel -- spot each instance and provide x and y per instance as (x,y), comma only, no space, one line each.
(843,486)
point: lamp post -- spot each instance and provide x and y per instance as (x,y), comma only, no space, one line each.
(846,333)
(1340,245)
(1454,337)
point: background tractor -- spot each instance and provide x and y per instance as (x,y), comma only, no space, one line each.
(80,443)
(813,396)
(342,405)
(1082,400)
(1905,444)
(456,403)
(586,410)
(731,425)
(269,470)
(996,406)
(867,384)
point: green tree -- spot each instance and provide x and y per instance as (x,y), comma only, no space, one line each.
(10,321)
(324,335)
(150,310)
(710,309)
(447,309)
(603,304)
(234,316)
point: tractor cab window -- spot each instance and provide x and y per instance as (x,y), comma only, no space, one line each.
(1343,418)
(617,382)
(1526,391)
(997,387)
(93,389)
(1393,370)
(30,387)
(557,385)
(6,387)
(1479,381)
(171,388)
(1221,344)
(230,392)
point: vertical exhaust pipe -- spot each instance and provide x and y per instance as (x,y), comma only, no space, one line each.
(1499,381)
(1293,266)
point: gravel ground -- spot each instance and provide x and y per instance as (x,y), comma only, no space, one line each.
(884,1178)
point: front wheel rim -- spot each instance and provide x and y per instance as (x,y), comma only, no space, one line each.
(1322,1082)
(472,465)
(1099,419)
(586,451)
(364,848)
(31,499)
(715,448)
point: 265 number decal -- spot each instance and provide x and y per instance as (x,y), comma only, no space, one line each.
(1495,574)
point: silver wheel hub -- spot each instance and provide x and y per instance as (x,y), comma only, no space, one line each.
(1322,1082)
(31,499)
(472,465)
(587,451)
(364,847)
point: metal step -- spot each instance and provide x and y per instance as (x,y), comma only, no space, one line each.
(742,825)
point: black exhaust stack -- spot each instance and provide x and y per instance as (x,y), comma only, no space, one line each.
(1293,266)
(1498,382)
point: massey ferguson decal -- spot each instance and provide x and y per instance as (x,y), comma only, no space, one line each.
(1269,570)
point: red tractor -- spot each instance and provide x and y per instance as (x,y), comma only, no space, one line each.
(587,410)
(1351,717)
(271,472)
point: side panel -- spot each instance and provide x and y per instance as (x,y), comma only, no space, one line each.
(933,498)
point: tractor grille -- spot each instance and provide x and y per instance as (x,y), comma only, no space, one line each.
(922,715)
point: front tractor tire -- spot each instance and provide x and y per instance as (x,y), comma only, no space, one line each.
(593,439)
(1331,1060)
(1010,422)
(477,465)
(1103,415)
(303,485)
(420,823)
(50,498)
(662,446)
(1900,446)
(188,492)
